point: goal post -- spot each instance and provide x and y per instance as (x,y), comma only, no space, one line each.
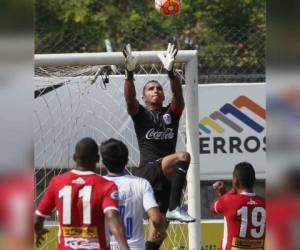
(189,59)
(193,178)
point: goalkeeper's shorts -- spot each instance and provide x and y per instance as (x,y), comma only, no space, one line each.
(152,172)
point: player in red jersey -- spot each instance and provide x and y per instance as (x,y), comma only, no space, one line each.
(244,211)
(83,200)
(283,221)
(16,211)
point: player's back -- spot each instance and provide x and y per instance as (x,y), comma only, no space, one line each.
(135,197)
(81,199)
(244,220)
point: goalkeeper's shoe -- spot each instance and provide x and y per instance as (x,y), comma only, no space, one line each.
(179,214)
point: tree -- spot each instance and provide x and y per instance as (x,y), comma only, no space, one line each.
(227,33)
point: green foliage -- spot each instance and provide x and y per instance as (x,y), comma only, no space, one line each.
(225,32)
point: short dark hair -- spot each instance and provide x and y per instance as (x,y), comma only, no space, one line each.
(144,88)
(86,151)
(114,154)
(245,173)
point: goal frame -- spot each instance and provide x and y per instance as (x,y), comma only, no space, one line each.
(189,58)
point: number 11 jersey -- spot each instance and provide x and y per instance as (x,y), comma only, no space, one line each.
(81,199)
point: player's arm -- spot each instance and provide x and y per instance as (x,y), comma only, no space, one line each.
(168,60)
(129,88)
(155,217)
(43,212)
(39,230)
(116,227)
(177,96)
(216,206)
(157,220)
(219,187)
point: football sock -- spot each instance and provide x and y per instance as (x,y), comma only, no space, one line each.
(151,246)
(177,183)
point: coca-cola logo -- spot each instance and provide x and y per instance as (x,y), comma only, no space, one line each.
(167,134)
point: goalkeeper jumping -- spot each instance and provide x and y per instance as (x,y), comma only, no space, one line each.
(156,129)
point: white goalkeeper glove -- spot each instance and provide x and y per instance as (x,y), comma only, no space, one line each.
(130,62)
(168,58)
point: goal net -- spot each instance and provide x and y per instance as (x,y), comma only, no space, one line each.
(72,102)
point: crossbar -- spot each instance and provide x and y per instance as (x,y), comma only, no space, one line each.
(105,58)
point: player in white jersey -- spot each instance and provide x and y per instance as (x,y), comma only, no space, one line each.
(135,197)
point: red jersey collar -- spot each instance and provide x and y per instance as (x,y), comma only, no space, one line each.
(79,172)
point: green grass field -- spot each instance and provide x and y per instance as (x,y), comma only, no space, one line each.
(177,236)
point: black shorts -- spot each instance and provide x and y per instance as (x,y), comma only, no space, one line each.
(152,172)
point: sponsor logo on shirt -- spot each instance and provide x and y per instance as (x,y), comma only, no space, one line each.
(81,243)
(251,202)
(167,134)
(114,195)
(167,119)
(79,180)
(247,243)
(85,232)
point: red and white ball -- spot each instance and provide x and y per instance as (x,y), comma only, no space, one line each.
(168,7)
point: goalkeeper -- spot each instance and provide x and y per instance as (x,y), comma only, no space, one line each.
(156,128)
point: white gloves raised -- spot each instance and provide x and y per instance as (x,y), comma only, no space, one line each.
(130,60)
(168,58)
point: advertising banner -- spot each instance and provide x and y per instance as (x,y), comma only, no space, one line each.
(231,128)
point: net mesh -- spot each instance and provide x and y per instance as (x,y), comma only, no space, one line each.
(76,102)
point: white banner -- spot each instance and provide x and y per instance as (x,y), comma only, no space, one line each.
(231,128)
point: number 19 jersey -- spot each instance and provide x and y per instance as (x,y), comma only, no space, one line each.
(81,199)
(244,220)
(135,198)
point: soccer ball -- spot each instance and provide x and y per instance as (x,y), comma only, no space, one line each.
(168,7)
